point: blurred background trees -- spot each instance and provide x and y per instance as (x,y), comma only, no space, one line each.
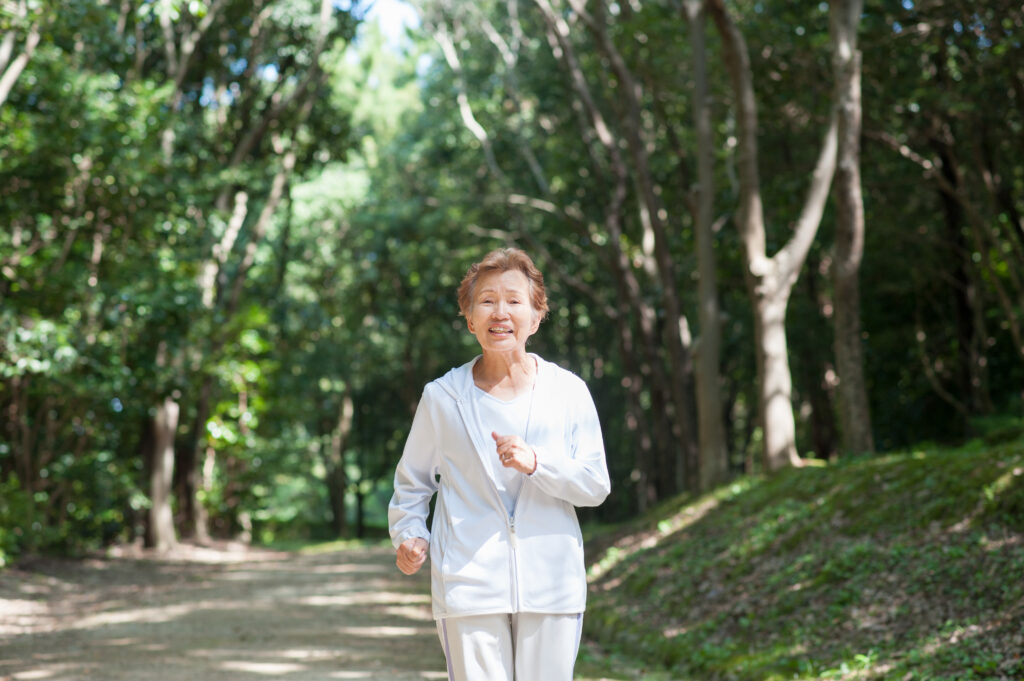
(232,231)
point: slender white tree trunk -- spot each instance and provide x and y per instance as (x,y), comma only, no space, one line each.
(776,396)
(161,522)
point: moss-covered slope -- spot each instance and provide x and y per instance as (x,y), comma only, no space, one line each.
(906,566)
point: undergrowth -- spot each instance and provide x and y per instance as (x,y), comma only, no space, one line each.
(905,566)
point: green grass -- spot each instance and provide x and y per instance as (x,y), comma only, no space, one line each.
(903,566)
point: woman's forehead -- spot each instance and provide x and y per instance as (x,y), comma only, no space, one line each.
(512,280)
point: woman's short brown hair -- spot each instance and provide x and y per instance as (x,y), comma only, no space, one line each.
(504,260)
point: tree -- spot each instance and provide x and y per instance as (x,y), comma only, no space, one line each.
(770,280)
(854,415)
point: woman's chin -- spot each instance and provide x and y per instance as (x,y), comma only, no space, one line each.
(502,345)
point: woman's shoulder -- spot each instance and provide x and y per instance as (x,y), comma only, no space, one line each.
(564,378)
(452,383)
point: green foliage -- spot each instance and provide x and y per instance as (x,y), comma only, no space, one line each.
(95,503)
(17,515)
(40,347)
(906,566)
(122,180)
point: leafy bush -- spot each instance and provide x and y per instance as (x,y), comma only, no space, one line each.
(17,514)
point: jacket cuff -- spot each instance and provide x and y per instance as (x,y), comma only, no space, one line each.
(406,535)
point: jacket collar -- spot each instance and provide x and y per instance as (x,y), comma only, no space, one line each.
(458,382)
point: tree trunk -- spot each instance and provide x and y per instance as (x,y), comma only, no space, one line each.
(336,479)
(714,455)
(775,379)
(192,519)
(854,414)
(160,529)
(971,382)
(636,420)
(360,514)
(17,428)
(963,320)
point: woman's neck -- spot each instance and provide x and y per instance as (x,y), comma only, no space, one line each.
(505,375)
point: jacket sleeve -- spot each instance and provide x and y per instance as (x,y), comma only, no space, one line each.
(580,474)
(415,479)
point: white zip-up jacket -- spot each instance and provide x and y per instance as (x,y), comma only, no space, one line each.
(484,561)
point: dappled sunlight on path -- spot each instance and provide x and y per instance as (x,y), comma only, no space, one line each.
(342,615)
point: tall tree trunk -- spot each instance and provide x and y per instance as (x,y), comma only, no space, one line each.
(854,414)
(963,321)
(770,280)
(970,383)
(160,445)
(187,478)
(14,425)
(360,513)
(774,376)
(636,418)
(336,478)
(714,455)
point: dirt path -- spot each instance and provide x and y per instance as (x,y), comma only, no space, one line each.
(209,615)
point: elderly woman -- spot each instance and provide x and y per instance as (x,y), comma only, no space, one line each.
(511,444)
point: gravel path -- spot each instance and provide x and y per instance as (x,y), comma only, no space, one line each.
(218,614)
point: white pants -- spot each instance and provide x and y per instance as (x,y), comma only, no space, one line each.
(518,647)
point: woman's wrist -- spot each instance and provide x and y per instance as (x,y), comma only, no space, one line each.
(534,461)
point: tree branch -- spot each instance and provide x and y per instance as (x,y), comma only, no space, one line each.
(465,110)
(14,69)
(791,257)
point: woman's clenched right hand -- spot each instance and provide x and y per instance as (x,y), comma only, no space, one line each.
(412,553)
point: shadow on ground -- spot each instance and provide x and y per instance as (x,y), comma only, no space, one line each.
(343,615)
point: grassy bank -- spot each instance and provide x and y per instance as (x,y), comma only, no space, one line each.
(906,566)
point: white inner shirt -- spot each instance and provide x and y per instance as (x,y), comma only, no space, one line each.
(503,418)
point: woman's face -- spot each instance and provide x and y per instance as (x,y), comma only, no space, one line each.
(502,316)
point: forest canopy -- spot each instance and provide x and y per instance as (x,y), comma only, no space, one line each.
(232,232)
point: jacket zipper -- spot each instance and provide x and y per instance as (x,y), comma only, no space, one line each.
(514,558)
(513,537)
